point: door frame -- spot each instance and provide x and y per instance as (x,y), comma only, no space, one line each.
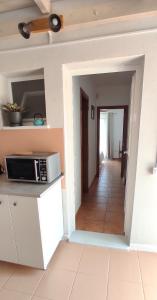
(99,108)
(104,65)
(84,147)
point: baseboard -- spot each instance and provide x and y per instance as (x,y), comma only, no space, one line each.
(92,182)
(77,208)
(65,237)
(143,247)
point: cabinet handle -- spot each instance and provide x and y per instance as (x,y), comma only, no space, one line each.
(15,204)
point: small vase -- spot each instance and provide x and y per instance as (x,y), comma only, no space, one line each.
(15,118)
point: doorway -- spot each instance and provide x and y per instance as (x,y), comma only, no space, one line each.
(134,64)
(102,198)
(112,136)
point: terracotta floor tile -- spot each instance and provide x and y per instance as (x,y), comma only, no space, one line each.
(94,205)
(56,285)
(118,290)
(89,288)
(113,228)
(92,214)
(24,280)
(148,264)
(12,295)
(124,266)
(95,261)
(67,257)
(105,195)
(115,207)
(93,226)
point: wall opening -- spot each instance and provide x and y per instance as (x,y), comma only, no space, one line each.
(72,71)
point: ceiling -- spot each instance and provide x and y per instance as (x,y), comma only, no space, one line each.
(9,5)
(116,78)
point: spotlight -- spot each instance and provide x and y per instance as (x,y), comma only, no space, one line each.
(24,29)
(53,22)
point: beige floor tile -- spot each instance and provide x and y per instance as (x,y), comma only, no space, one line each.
(88,287)
(148,263)
(6,270)
(95,261)
(24,280)
(12,295)
(118,290)
(124,265)
(67,257)
(56,285)
(150,292)
(39,298)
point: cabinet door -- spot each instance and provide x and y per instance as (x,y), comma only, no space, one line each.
(7,244)
(51,220)
(24,212)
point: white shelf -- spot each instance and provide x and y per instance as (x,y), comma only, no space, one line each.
(24,127)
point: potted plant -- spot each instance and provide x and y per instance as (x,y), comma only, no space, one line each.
(14,112)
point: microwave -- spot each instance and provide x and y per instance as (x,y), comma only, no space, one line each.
(34,167)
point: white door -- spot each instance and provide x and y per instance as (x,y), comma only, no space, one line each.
(7,244)
(24,212)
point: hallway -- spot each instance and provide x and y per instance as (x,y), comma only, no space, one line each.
(102,209)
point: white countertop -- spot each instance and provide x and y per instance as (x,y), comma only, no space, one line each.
(24,188)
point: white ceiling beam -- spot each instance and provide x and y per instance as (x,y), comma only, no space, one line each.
(85,17)
(44,5)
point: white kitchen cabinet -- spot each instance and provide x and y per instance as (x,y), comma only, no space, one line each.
(36,227)
(7,244)
(26,224)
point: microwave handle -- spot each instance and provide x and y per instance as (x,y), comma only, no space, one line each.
(36,171)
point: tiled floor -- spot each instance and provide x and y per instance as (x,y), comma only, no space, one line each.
(79,272)
(102,209)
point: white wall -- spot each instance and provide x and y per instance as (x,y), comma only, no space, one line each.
(103,145)
(86,85)
(116,131)
(3,93)
(129,46)
(111,131)
(113,95)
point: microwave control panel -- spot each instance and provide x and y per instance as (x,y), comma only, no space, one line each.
(42,170)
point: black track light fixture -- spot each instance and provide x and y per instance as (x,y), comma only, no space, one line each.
(53,22)
(25,30)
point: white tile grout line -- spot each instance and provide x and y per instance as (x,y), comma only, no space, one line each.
(144,296)
(77,271)
(44,274)
(3,285)
(63,269)
(108,275)
(17,291)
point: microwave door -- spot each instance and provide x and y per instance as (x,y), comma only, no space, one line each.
(22,169)
(36,163)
